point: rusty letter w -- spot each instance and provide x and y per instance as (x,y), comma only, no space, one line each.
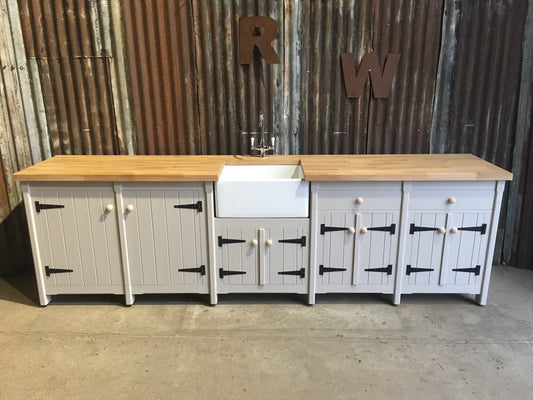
(370,68)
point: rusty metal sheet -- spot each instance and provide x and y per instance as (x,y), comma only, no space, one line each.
(65,39)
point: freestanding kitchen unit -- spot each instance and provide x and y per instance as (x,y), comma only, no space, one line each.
(392,224)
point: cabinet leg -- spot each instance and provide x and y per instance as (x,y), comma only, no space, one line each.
(396,299)
(44,300)
(213,299)
(481,299)
(311,299)
(130,300)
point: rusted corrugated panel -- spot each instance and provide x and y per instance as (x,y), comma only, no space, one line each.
(478,79)
(65,39)
(161,58)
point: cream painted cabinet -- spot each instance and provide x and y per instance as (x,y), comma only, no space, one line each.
(262,255)
(164,235)
(447,236)
(357,236)
(75,238)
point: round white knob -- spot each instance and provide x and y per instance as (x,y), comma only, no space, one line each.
(359,200)
(441,230)
(109,207)
(451,200)
(269,242)
(454,230)
(363,230)
(129,207)
(351,229)
(254,242)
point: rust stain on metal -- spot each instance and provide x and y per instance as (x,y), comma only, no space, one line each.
(63,37)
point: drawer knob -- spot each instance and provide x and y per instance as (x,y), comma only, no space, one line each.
(129,208)
(109,207)
(254,242)
(441,230)
(451,200)
(454,230)
(269,242)
(351,229)
(359,200)
(363,230)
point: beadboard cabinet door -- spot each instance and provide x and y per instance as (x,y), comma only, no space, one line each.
(76,237)
(357,237)
(447,237)
(256,255)
(165,237)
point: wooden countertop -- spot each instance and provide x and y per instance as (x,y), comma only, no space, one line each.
(394,167)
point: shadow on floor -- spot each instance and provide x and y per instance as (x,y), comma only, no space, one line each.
(20,288)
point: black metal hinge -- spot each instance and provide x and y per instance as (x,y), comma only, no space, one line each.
(391,229)
(387,269)
(222,273)
(40,206)
(411,270)
(302,241)
(413,228)
(200,270)
(481,228)
(300,272)
(476,270)
(196,206)
(322,270)
(324,228)
(50,271)
(222,241)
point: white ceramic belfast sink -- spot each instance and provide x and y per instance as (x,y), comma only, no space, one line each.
(258,191)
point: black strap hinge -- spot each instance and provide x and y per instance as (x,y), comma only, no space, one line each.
(391,229)
(322,270)
(50,271)
(200,270)
(222,241)
(40,206)
(411,270)
(387,269)
(302,241)
(476,270)
(300,272)
(413,228)
(222,273)
(482,228)
(196,206)
(324,228)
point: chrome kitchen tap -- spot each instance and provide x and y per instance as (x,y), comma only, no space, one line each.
(262,148)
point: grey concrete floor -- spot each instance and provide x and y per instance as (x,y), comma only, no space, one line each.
(269,347)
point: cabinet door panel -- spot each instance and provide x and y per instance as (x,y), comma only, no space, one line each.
(466,249)
(375,249)
(424,250)
(335,250)
(81,237)
(286,257)
(162,240)
(240,257)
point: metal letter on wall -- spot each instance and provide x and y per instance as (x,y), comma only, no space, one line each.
(370,67)
(257,32)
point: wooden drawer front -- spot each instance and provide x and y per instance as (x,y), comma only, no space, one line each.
(348,200)
(450,200)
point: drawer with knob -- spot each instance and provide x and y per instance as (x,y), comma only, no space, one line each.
(459,196)
(360,196)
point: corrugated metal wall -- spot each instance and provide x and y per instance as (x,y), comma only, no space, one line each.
(66,46)
(458,87)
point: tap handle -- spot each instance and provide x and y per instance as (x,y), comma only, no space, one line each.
(252,141)
(273,141)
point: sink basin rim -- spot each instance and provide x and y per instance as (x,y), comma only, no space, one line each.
(261,173)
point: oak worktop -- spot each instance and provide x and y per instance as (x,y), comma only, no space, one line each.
(397,167)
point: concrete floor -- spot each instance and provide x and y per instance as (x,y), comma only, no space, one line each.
(269,347)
